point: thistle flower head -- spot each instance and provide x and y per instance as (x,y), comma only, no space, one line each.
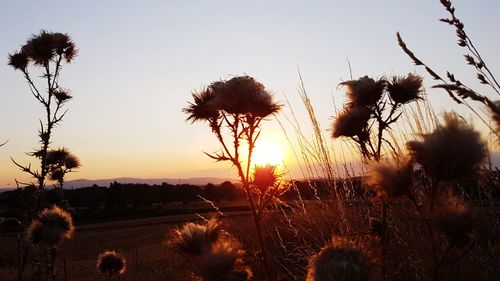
(351,121)
(62,95)
(51,227)
(110,262)
(365,91)
(224,262)
(405,89)
(341,260)
(63,45)
(265,176)
(244,95)
(451,151)
(62,158)
(196,239)
(18,61)
(57,174)
(204,107)
(390,178)
(43,48)
(239,95)
(456,221)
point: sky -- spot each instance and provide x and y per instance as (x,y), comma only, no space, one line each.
(139,61)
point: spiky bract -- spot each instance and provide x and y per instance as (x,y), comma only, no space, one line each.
(265,176)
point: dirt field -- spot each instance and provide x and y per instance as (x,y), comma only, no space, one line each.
(141,241)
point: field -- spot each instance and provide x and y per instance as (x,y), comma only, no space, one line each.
(142,241)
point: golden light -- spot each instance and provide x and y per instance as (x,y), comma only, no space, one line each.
(267,152)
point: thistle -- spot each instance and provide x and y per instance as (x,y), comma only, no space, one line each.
(196,239)
(372,107)
(452,151)
(351,122)
(46,51)
(405,89)
(52,226)
(234,110)
(224,262)
(342,260)
(110,263)
(390,178)
(365,91)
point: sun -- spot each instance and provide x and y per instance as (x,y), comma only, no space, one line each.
(268,152)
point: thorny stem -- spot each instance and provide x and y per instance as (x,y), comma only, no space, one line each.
(244,176)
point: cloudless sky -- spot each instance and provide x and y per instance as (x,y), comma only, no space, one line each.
(139,61)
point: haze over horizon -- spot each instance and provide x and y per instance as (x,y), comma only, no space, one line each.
(138,63)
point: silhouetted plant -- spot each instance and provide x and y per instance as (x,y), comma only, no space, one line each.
(234,110)
(46,51)
(214,255)
(458,91)
(110,263)
(60,162)
(451,152)
(47,231)
(374,102)
(195,239)
(390,179)
(343,259)
(224,262)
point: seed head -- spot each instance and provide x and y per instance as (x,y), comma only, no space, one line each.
(51,227)
(242,95)
(18,61)
(62,158)
(365,91)
(239,95)
(195,239)
(224,262)
(390,178)
(342,260)
(62,95)
(452,151)
(109,262)
(42,48)
(204,107)
(405,89)
(351,121)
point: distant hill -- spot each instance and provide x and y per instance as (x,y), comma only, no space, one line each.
(105,182)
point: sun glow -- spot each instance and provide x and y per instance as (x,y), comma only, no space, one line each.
(267,152)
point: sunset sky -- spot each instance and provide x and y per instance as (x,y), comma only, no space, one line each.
(139,61)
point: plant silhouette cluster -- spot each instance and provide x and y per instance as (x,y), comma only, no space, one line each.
(372,107)
(215,256)
(47,51)
(239,105)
